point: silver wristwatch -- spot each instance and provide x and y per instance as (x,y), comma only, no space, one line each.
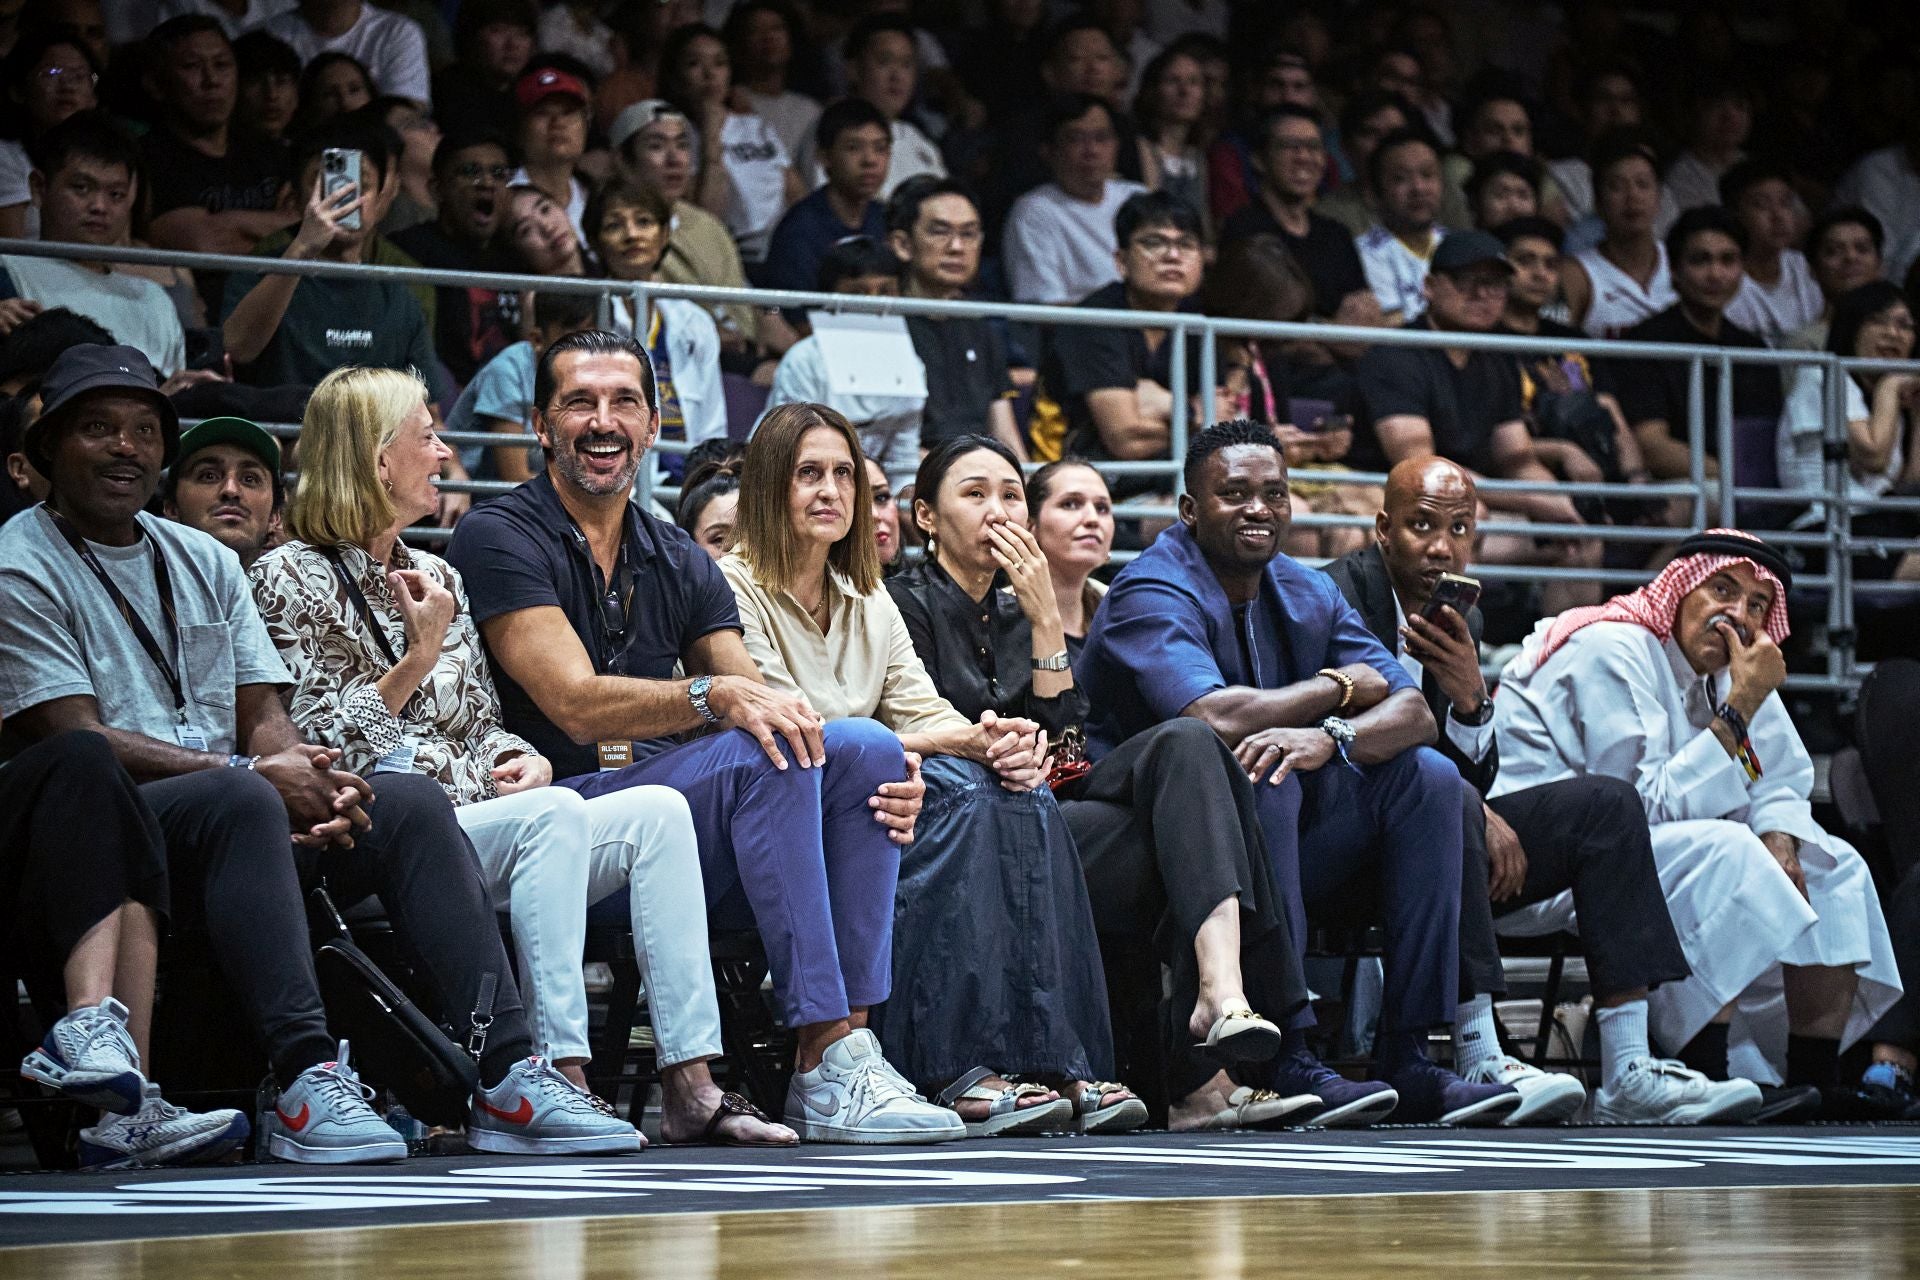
(1341,731)
(697,695)
(1058,662)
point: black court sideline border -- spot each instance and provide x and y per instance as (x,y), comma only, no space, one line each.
(40,1209)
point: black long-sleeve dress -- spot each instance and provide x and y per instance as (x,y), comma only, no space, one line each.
(1165,824)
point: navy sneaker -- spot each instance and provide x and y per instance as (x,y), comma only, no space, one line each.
(1885,1092)
(1350,1104)
(1431,1094)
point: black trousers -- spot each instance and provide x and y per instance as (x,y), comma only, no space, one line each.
(1900,1025)
(75,844)
(1888,728)
(1588,835)
(237,876)
(1167,830)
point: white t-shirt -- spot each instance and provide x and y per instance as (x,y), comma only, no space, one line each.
(1886,184)
(1619,301)
(913,154)
(1059,249)
(258,13)
(1797,447)
(757,163)
(792,115)
(14,168)
(389,45)
(1776,310)
(135,310)
(889,426)
(1395,273)
(560,32)
(1692,182)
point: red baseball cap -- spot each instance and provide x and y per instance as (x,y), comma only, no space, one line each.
(536,87)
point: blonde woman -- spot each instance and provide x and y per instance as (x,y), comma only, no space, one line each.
(389,669)
(999,1004)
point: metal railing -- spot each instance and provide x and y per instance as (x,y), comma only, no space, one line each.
(1708,499)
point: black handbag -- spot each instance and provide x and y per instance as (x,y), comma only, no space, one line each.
(400,1047)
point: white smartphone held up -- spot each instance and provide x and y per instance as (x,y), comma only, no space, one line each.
(340,169)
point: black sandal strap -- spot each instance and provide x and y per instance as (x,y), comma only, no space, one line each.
(732,1104)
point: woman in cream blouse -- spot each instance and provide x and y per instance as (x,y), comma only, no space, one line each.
(390,670)
(997,982)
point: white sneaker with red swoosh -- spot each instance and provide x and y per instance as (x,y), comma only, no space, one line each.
(536,1111)
(323,1118)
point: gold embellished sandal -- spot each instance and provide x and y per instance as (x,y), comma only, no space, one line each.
(1241,1035)
(1005,1116)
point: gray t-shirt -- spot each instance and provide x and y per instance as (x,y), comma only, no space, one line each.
(61,636)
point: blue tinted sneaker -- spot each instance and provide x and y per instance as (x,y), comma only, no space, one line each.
(1431,1094)
(323,1118)
(536,1111)
(159,1134)
(1350,1104)
(89,1057)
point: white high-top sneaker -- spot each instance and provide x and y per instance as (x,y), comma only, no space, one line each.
(854,1095)
(1662,1091)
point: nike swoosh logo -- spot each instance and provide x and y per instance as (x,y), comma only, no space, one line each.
(831,1107)
(295,1123)
(522,1114)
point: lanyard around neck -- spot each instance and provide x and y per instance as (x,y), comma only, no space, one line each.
(163,585)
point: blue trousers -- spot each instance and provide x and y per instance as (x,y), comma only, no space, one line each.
(794,853)
(1382,843)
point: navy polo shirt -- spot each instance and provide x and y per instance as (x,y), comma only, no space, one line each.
(522,551)
(801,240)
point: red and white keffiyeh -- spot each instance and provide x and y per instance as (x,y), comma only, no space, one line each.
(1657,605)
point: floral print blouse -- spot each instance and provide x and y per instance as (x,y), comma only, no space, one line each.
(452,721)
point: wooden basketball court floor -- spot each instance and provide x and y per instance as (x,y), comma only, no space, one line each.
(1746,1203)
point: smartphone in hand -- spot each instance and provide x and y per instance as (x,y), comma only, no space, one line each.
(340,169)
(1455,590)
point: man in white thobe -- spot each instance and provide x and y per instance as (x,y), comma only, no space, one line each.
(1673,688)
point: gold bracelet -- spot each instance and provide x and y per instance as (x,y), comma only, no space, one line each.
(1345,682)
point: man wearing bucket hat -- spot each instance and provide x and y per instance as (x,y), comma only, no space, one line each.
(227,485)
(144,631)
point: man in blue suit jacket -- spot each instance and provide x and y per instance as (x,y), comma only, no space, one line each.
(1358,811)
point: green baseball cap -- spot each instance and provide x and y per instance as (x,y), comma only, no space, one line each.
(234,431)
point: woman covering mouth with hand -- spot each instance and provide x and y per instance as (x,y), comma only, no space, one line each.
(1164,825)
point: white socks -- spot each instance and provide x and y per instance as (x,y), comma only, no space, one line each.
(1475,1039)
(1623,1038)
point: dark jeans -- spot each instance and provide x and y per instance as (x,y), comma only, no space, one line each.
(995,960)
(1381,840)
(237,876)
(1167,830)
(75,844)
(1588,835)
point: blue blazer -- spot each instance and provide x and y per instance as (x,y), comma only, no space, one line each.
(1166,635)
